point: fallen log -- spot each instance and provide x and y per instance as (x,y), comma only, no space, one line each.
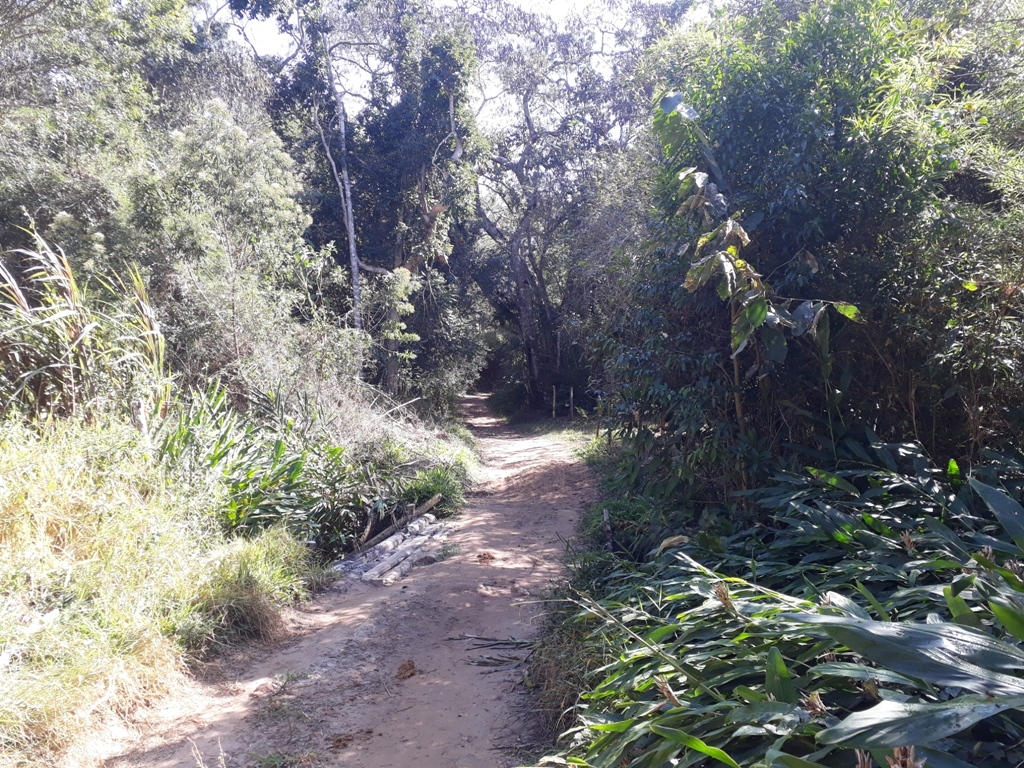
(401,561)
(427,554)
(414,528)
(428,505)
(398,571)
(398,555)
(353,563)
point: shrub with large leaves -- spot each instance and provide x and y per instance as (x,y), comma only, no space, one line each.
(879,610)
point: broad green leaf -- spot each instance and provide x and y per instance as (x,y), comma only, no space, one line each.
(960,610)
(1009,513)
(725,289)
(938,759)
(803,316)
(851,312)
(970,285)
(954,541)
(658,634)
(672,103)
(942,654)
(741,332)
(775,347)
(872,601)
(1009,576)
(897,724)
(777,680)
(749,694)
(700,272)
(775,757)
(764,712)
(830,478)
(861,672)
(608,723)
(680,737)
(757,312)
(847,606)
(1009,615)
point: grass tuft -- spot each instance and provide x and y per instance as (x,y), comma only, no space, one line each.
(112,575)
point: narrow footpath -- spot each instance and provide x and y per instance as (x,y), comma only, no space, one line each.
(385,677)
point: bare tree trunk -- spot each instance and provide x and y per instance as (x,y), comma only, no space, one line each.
(392,365)
(345,188)
(524,302)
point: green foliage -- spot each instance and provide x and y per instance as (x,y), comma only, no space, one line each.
(73,84)
(818,156)
(451,349)
(65,352)
(447,480)
(877,608)
(279,472)
(111,576)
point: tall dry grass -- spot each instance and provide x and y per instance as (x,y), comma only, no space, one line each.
(111,575)
(65,351)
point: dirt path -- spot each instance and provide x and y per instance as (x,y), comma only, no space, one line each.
(371,677)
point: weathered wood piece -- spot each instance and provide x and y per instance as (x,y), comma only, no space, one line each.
(403,551)
(428,505)
(425,555)
(401,561)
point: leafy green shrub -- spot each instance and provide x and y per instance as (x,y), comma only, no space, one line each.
(879,608)
(281,470)
(275,474)
(448,480)
(451,347)
(633,527)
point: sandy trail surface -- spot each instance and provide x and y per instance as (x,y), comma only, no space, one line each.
(381,677)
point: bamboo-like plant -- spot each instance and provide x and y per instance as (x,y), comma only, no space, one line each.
(876,617)
(65,352)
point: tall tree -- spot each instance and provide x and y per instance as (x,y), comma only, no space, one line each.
(566,109)
(400,161)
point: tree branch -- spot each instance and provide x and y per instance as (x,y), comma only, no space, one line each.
(489,226)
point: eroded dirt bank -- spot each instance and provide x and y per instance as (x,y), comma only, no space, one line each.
(378,677)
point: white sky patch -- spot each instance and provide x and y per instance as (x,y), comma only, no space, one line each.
(266,39)
(493,107)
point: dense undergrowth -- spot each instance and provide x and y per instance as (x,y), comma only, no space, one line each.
(871,613)
(813,549)
(144,527)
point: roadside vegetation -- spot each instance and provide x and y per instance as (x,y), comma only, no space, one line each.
(189,432)
(771,251)
(808,552)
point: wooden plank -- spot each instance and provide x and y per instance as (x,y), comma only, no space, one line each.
(400,554)
(428,505)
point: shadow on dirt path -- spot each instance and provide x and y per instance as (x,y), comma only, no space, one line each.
(380,677)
